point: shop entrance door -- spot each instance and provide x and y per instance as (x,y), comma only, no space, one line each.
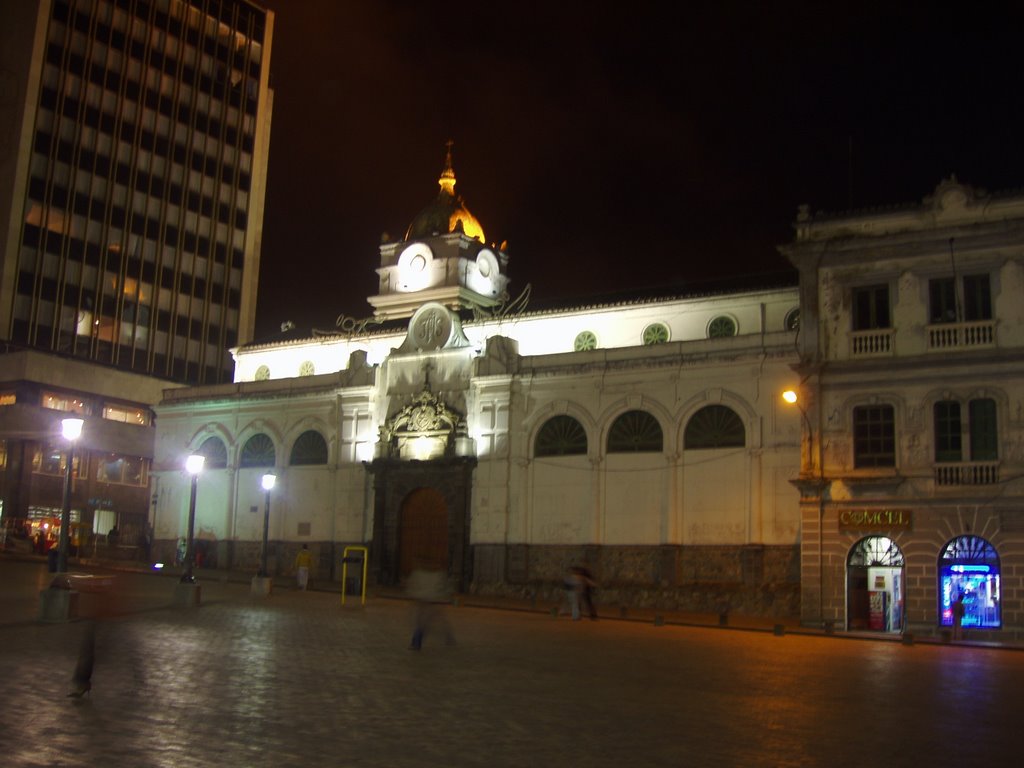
(423,532)
(874,586)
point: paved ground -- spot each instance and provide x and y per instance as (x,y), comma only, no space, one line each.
(298,680)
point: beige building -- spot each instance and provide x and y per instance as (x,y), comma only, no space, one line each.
(912,389)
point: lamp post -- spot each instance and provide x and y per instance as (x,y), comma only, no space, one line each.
(814,480)
(268,485)
(193,465)
(71,429)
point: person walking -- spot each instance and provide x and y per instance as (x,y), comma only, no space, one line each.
(303,563)
(429,591)
(586,592)
(959,609)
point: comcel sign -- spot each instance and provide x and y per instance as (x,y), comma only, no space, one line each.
(875,519)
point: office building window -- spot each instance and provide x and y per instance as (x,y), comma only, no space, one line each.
(69,403)
(126,414)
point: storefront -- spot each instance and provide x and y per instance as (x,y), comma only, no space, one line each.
(969,567)
(875,586)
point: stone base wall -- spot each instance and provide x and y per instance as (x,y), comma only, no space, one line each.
(753,580)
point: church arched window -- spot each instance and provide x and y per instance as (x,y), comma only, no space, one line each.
(634,432)
(561,436)
(258,451)
(714,426)
(309,448)
(215,452)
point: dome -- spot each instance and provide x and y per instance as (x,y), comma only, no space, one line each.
(447,213)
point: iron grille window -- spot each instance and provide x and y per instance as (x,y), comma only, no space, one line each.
(714,426)
(310,448)
(984,434)
(874,436)
(635,431)
(948,442)
(258,451)
(561,436)
(871,308)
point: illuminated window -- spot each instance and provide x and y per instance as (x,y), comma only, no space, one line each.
(51,459)
(969,568)
(561,436)
(215,452)
(67,403)
(258,451)
(126,414)
(585,340)
(121,470)
(714,426)
(635,432)
(8,398)
(262,373)
(874,436)
(721,326)
(655,333)
(3,463)
(310,448)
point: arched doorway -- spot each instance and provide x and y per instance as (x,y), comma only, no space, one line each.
(423,532)
(874,585)
(969,566)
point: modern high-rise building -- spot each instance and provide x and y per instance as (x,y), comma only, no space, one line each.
(133,157)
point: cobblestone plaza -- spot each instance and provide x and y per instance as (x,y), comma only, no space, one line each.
(298,680)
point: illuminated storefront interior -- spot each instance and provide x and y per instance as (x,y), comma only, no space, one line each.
(969,566)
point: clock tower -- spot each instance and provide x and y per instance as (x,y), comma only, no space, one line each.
(443,258)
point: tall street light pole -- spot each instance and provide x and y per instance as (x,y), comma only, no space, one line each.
(194,465)
(268,485)
(71,429)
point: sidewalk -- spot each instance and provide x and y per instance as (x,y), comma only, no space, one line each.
(658,617)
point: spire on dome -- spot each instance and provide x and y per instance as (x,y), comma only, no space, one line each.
(447,180)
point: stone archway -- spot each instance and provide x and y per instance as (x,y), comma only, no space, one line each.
(422,532)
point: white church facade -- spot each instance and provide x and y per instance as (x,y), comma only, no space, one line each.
(648,439)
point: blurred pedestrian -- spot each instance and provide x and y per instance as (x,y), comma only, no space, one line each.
(959,609)
(586,592)
(429,591)
(303,563)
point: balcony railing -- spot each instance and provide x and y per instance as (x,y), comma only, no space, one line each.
(967,473)
(874,343)
(947,336)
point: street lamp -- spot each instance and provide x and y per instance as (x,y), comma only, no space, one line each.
(193,465)
(71,428)
(268,485)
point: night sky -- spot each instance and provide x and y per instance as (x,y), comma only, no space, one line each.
(616,146)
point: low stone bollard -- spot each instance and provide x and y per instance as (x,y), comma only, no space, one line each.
(659,621)
(778,630)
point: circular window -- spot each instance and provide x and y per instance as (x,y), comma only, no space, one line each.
(793,320)
(307,368)
(721,326)
(656,333)
(262,373)
(585,340)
